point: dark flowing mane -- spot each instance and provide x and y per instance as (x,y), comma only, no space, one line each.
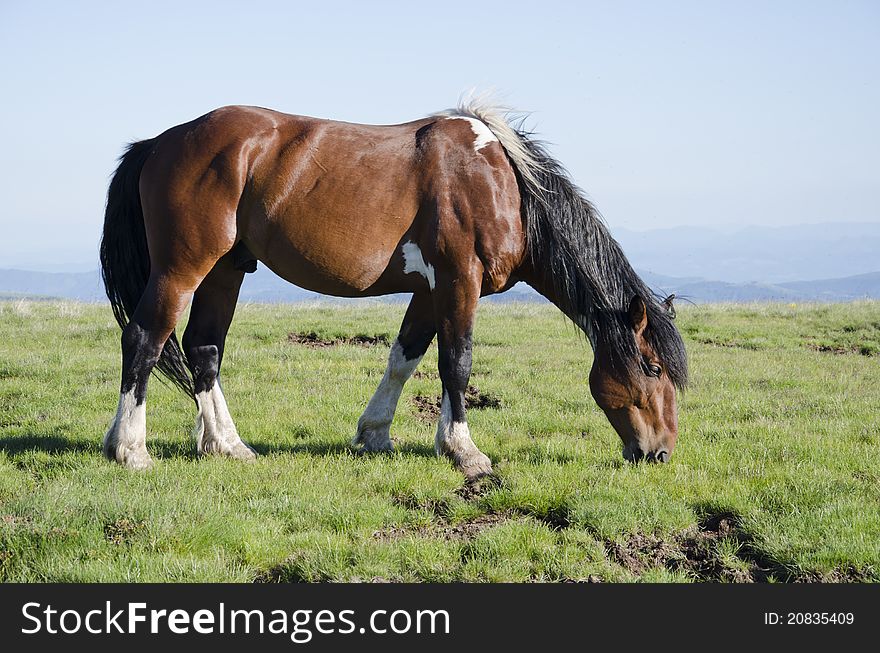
(584,267)
(589,273)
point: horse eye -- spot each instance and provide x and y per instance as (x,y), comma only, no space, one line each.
(651,369)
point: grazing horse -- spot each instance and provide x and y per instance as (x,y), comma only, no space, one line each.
(450,208)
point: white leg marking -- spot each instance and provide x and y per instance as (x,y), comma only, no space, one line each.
(413,261)
(483,135)
(215,432)
(374,426)
(126,439)
(454,440)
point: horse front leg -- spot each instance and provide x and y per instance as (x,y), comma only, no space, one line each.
(455,305)
(416,333)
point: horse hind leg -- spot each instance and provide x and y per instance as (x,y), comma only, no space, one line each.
(203,342)
(416,333)
(142,342)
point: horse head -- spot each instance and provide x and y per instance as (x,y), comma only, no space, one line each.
(640,401)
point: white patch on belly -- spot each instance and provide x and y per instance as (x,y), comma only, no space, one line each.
(413,261)
(483,135)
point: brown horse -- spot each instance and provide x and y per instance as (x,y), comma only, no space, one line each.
(449,208)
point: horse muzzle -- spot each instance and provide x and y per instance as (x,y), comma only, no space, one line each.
(635,454)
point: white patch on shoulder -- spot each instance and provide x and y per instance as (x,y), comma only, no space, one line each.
(483,134)
(413,261)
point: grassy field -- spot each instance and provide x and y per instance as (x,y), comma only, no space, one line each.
(776,476)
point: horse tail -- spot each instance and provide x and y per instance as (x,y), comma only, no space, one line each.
(125,258)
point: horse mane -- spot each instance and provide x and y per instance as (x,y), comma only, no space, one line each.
(568,240)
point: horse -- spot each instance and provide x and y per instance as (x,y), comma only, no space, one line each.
(452,207)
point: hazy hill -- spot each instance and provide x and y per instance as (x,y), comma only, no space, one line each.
(84,286)
(705,265)
(762,254)
(264,286)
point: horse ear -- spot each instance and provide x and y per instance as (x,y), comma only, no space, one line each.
(670,309)
(638,316)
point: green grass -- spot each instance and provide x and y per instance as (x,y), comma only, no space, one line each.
(776,475)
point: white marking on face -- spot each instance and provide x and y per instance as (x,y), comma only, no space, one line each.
(483,135)
(413,261)
(380,411)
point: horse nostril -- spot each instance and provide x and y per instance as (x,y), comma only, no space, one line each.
(662,456)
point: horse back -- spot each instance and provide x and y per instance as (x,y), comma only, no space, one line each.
(328,204)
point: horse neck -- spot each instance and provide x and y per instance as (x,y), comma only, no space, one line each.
(539,280)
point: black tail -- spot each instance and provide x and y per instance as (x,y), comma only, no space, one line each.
(125,260)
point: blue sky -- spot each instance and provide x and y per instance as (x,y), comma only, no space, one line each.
(673,113)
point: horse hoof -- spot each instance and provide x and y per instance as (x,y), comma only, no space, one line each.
(475,467)
(371,441)
(237,450)
(242,451)
(136,460)
(376,448)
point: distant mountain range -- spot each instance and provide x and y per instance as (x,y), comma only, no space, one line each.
(264,286)
(761,254)
(829,262)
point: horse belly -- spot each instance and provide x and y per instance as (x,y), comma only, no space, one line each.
(368,274)
(338,255)
(330,211)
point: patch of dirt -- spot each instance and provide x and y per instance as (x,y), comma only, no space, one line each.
(697,552)
(14,520)
(845,574)
(474,399)
(122,531)
(479,487)
(694,551)
(640,552)
(465,530)
(439,507)
(362,340)
(715,342)
(314,341)
(418,374)
(428,408)
(864,350)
